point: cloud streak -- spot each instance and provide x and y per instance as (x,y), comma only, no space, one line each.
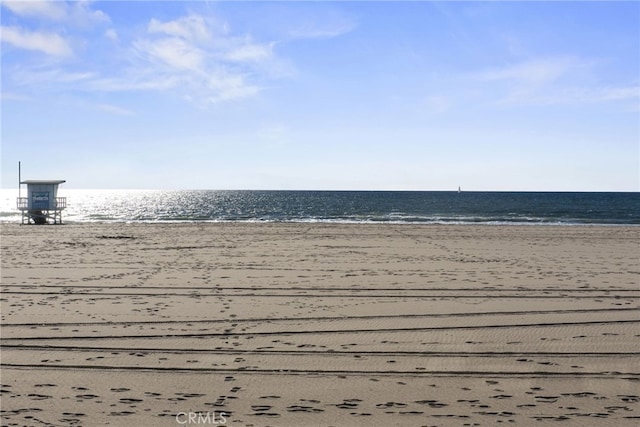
(113,109)
(172,53)
(77,13)
(192,27)
(45,42)
(48,10)
(553,81)
(532,72)
(590,95)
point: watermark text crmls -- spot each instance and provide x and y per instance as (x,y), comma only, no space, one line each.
(201,418)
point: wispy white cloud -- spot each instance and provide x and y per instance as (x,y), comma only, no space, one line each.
(192,27)
(552,81)
(317,31)
(78,13)
(133,80)
(50,10)
(113,109)
(45,42)
(250,52)
(172,52)
(533,72)
(55,21)
(618,93)
(586,95)
(224,86)
(27,77)
(318,22)
(112,34)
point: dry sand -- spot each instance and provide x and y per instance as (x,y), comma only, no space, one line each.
(320,325)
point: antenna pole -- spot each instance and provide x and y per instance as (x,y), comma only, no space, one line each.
(19,179)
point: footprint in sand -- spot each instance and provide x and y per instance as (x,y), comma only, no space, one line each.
(221,401)
(130,400)
(391,405)
(551,418)
(547,399)
(431,403)
(261,410)
(579,394)
(498,414)
(303,408)
(121,413)
(349,404)
(34,396)
(187,395)
(614,409)
(86,396)
(71,421)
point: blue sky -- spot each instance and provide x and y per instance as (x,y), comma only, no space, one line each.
(323,95)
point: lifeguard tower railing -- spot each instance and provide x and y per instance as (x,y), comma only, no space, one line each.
(60,203)
(41,211)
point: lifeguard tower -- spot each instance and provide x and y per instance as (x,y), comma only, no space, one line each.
(42,204)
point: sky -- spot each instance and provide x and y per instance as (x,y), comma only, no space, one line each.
(348,95)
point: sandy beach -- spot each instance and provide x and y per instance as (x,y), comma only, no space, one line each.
(316,324)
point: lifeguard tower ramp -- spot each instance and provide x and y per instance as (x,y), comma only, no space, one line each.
(42,204)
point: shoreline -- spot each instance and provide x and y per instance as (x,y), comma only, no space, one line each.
(319,324)
(334,222)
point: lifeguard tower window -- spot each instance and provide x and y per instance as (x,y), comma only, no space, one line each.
(40,200)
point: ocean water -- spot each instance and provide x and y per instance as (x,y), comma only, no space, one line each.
(430,207)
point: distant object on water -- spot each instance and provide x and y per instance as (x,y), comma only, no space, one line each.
(459,190)
(42,204)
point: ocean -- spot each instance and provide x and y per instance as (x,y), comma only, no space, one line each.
(428,207)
